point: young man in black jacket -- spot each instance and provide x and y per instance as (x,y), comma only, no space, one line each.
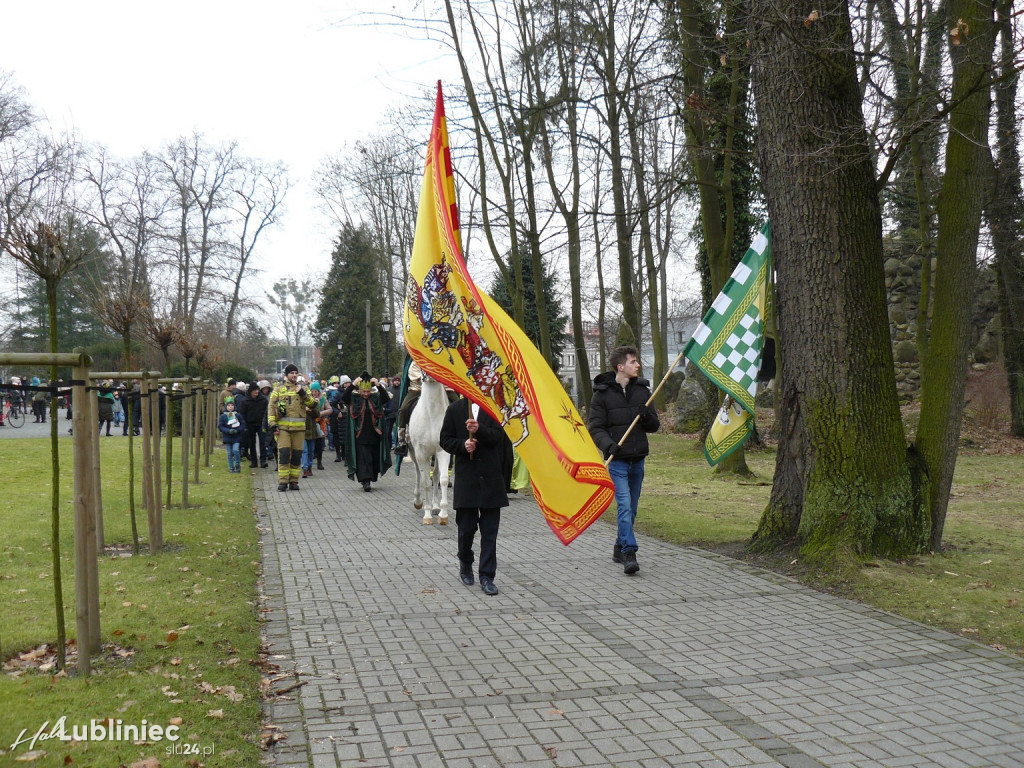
(483,469)
(619,398)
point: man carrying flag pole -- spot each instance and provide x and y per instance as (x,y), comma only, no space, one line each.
(727,345)
(461,337)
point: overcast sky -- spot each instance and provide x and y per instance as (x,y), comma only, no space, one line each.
(291,81)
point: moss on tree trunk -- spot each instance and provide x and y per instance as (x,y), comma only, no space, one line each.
(843,483)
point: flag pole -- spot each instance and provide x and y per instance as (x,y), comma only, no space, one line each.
(654,394)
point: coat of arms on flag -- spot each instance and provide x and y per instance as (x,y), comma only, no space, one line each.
(461,337)
(727,344)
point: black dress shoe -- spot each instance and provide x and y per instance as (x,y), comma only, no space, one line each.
(466,574)
(337,460)
(488,587)
(366,486)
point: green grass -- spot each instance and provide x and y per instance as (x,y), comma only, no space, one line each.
(974,587)
(206,581)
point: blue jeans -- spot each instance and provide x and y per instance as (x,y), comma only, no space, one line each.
(234,456)
(628,479)
(308,449)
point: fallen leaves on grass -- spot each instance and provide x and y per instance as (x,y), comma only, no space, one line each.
(43,659)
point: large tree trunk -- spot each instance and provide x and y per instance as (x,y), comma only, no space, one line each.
(717,208)
(961,200)
(1007,209)
(843,481)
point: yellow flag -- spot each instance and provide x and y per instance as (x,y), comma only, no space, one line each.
(460,336)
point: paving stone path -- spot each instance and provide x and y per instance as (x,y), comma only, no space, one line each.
(698,660)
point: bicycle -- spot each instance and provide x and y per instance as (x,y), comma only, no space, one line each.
(12,413)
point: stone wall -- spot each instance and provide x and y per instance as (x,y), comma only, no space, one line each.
(903,291)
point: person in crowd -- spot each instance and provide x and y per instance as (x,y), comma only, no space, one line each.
(253,413)
(413,387)
(391,407)
(230,426)
(331,397)
(132,403)
(483,468)
(620,396)
(368,457)
(286,416)
(240,393)
(228,393)
(341,417)
(163,406)
(268,446)
(118,407)
(314,430)
(19,399)
(105,398)
(39,402)
(323,412)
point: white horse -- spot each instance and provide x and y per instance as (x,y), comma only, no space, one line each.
(423,437)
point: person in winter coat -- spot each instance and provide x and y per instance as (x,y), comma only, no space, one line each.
(39,403)
(314,427)
(118,409)
(619,398)
(324,410)
(105,398)
(339,427)
(131,401)
(286,416)
(253,412)
(231,428)
(483,470)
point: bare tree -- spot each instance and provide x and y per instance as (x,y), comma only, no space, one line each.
(40,232)
(258,191)
(199,177)
(294,303)
(378,182)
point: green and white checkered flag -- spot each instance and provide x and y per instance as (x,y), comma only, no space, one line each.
(727,344)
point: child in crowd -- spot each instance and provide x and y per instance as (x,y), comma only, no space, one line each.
(118,408)
(231,428)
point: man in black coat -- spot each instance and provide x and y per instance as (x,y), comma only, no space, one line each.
(483,469)
(619,398)
(253,411)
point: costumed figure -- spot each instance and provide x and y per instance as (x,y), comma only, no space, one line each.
(367,453)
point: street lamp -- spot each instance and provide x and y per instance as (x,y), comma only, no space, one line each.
(340,371)
(385,326)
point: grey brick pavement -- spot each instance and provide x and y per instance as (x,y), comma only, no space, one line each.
(696,661)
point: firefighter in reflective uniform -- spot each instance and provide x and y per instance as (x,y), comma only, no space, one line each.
(286,417)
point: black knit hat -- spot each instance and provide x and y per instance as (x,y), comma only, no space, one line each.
(290,367)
